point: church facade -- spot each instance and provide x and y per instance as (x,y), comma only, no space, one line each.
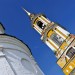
(58,39)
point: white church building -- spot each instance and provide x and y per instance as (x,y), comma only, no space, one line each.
(15,57)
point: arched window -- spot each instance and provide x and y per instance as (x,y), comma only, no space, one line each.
(41,25)
(70,52)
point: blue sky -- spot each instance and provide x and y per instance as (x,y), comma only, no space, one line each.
(17,23)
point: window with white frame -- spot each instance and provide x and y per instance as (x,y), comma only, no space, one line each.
(57,39)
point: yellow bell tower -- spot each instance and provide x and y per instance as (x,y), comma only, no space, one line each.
(58,39)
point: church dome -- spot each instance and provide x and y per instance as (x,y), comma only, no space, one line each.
(15,57)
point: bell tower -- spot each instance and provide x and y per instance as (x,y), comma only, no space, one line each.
(58,39)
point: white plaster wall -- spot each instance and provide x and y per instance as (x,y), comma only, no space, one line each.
(16,58)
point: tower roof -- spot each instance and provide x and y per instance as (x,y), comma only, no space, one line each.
(29,14)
